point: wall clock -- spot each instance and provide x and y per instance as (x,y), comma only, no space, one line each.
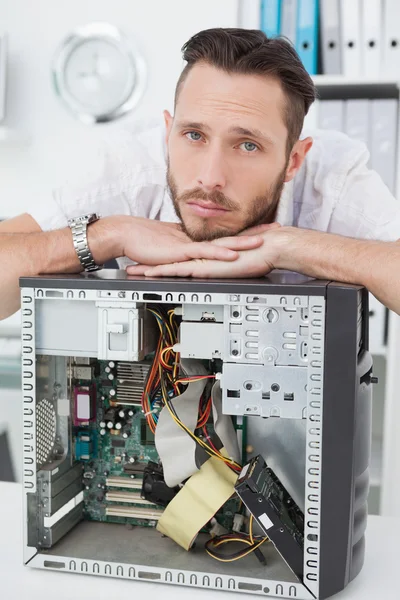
(98,74)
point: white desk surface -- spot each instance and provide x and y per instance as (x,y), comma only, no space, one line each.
(378,580)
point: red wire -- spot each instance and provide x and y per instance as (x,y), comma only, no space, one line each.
(209,439)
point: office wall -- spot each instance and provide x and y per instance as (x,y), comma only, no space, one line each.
(47,140)
(47,143)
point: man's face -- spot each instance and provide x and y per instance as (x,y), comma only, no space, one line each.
(227,152)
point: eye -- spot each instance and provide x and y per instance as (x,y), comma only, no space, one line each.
(193,136)
(249,147)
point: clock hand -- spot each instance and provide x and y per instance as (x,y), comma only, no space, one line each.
(96,62)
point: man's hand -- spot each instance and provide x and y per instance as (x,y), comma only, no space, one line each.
(154,243)
(254,262)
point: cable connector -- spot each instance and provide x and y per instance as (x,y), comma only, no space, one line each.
(238,522)
(217,529)
(176,348)
(178,310)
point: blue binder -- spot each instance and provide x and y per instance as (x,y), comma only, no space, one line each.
(307,34)
(270,17)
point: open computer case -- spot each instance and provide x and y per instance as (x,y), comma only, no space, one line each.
(163,419)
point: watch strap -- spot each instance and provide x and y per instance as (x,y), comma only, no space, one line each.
(80,241)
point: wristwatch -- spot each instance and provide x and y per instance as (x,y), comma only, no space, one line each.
(79,227)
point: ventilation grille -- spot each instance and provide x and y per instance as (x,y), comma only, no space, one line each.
(131,378)
(46,431)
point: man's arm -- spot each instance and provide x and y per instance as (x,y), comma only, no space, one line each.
(376,265)
(25,250)
(29,251)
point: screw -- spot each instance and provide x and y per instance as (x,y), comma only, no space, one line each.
(275,387)
(121,294)
(235,352)
(235,313)
(248,386)
(259,499)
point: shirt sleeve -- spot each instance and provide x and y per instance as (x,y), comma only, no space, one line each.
(365,208)
(93,186)
(114,175)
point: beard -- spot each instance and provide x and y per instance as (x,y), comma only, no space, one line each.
(261,210)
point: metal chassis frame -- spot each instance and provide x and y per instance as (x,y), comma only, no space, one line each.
(313,452)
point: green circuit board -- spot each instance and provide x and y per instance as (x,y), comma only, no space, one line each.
(114,460)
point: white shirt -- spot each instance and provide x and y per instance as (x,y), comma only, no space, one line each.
(334,191)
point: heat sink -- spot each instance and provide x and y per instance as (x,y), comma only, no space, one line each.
(131,378)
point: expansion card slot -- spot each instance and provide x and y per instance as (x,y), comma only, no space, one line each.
(132,497)
(134,512)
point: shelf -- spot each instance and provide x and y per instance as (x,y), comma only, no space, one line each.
(342,80)
(345,88)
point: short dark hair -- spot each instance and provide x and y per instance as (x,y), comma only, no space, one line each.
(251,52)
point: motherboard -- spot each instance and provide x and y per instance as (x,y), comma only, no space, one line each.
(122,477)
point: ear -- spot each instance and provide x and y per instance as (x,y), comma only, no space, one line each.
(297,156)
(168,119)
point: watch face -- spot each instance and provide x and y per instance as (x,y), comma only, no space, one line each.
(98,74)
(84,219)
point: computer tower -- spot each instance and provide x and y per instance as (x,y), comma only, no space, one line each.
(288,356)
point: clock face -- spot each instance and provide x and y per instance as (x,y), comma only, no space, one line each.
(98,75)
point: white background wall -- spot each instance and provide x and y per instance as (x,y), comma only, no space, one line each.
(49,141)
(34,113)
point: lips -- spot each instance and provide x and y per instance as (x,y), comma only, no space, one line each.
(206,209)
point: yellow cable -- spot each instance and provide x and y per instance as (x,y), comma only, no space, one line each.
(200,441)
(194,378)
(220,542)
(238,557)
(164,322)
(208,449)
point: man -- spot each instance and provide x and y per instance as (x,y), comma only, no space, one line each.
(235,158)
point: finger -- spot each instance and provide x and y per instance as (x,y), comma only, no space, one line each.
(206,250)
(183,269)
(195,268)
(257,229)
(136,269)
(240,243)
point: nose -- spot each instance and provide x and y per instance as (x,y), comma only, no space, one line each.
(212,173)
